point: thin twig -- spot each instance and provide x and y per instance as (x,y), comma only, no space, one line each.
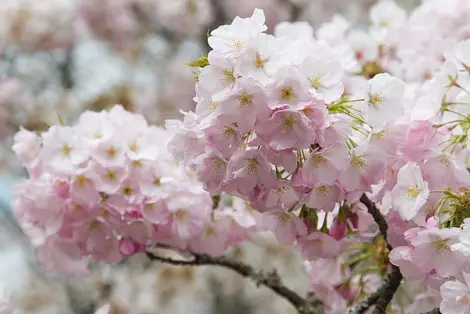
(384,295)
(270,280)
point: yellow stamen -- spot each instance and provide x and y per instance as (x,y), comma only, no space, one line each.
(323,190)
(289,121)
(358,162)
(316,81)
(413,191)
(318,160)
(287,93)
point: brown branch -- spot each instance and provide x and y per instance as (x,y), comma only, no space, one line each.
(379,219)
(384,295)
(435,311)
(270,280)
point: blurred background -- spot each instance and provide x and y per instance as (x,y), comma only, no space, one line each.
(60,57)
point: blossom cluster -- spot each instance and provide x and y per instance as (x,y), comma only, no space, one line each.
(286,122)
(107,188)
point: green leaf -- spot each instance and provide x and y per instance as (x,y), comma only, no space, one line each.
(200,63)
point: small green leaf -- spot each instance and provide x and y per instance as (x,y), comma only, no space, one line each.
(200,63)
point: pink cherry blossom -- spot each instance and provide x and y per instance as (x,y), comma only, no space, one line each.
(318,245)
(411,191)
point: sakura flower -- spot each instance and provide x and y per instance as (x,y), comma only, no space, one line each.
(290,87)
(231,40)
(411,191)
(432,250)
(420,138)
(211,169)
(63,149)
(456,296)
(213,238)
(246,104)
(188,214)
(287,129)
(325,77)
(27,146)
(283,196)
(325,197)
(365,167)
(326,164)
(247,169)
(259,61)
(286,226)
(108,179)
(318,245)
(110,153)
(219,77)
(95,127)
(224,137)
(365,48)
(383,100)
(446,171)
(401,257)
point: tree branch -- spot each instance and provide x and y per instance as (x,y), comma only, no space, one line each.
(435,311)
(379,219)
(270,280)
(384,295)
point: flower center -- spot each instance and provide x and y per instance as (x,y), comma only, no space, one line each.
(111,175)
(127,190)
(219,164)
(289,122)
(181,214)
(212,106)
(358,162)
(252,166)
(318,160)
(245,99)
(237,44)
(323,190)
(282,189)
(133,146)
(229,77)
(66,149)
(440,245)
(413,191)
(283,219)
(81,180)
(382,135)
(465,299)
(287,93)
(111,152)
(210,231)
(317,242)
(259,62)
(316,81)
(443,160)
(376,98)
(229,132)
